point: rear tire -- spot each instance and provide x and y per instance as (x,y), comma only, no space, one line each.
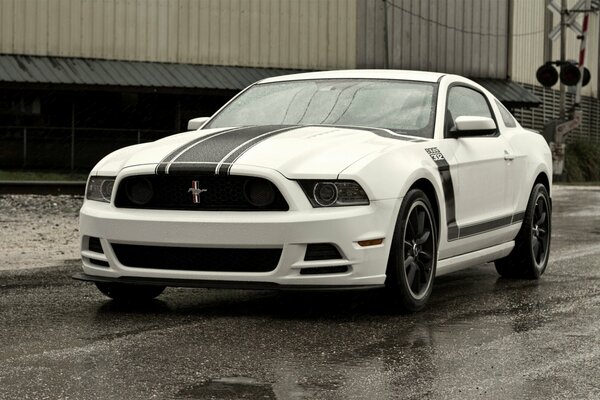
(529,258)
(413,256)
(129,293)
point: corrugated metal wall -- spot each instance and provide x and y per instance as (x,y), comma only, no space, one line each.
(527,39)
(528,43)
(265,33)
(467,37)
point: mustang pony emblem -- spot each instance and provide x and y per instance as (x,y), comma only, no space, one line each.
(195,189)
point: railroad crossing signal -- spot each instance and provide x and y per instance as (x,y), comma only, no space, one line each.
(570,74)
(546,74)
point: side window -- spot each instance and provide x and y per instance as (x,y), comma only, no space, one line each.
(507,118)
(463,101)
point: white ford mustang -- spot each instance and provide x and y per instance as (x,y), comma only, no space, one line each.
(326,180)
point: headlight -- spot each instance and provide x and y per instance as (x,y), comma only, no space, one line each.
(334,193)
(100,188)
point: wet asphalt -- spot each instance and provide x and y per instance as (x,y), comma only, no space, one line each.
(481,336)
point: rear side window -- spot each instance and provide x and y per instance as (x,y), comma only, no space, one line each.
(507,118)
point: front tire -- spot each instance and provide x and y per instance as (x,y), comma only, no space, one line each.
(413,256)
(129,293)
(529,258)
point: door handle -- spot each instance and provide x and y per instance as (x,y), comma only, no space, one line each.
(508,156)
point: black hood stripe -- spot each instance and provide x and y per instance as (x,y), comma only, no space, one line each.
(224,167)
(217,152)
(218,147)
(161,168)
(185,168)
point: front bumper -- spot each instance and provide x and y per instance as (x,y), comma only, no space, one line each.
(290,231)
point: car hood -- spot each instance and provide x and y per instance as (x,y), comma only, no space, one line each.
(296,152)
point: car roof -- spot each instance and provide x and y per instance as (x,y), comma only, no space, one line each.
(361,74)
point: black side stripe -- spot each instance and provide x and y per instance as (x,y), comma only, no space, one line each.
(482,227)
(448,187)
(518,217)
(455,231)
(161,168)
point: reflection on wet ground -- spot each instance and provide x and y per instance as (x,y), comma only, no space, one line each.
(229,388)
(481,336)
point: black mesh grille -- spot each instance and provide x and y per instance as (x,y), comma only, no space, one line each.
(340,269)
(94,245)
(99,263)
(197,259)
(221,193)
(321,251)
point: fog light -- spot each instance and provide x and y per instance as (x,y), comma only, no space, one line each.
(139,191)
(259,193)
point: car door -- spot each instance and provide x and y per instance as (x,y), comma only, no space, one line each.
(482,203)
(516,185)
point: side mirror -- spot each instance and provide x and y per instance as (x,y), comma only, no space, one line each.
(473,126)
(196,123)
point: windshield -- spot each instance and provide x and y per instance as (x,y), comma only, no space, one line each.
(401,106)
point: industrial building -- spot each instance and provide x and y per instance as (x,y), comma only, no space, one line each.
(79,78)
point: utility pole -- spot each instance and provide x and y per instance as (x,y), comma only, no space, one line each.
(567,123)
(386,50)
(563,55)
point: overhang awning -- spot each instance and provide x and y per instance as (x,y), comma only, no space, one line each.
(21,69)
(97,73)
(510,93)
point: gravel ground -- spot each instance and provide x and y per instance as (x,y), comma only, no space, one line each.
(38,231)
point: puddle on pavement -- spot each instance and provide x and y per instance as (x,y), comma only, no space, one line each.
(229,388)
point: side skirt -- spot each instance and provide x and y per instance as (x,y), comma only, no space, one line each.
(467,260)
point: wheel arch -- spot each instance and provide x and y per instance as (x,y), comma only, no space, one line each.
(428,188)
(543,179)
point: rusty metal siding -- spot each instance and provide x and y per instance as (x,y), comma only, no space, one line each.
(310,34)
(468,37)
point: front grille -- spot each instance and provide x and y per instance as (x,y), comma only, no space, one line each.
(219,193)
(197,258)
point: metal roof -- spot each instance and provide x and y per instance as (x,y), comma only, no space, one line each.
(510,93)
(95,72)
(86,71)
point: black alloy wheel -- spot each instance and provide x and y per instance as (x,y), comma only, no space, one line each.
(412,263)
(529,257)
(540,238)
